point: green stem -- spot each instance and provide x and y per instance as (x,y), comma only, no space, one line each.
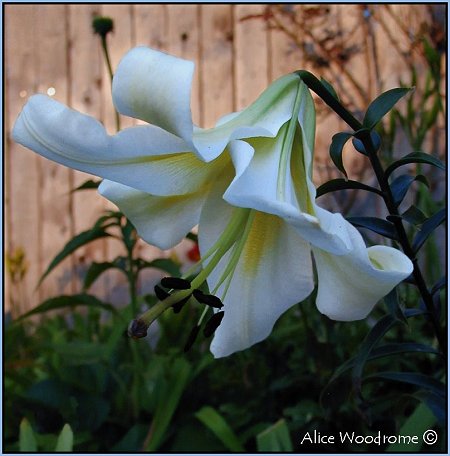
(364,135)
(111,75)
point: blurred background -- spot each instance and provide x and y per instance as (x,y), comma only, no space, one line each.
(362,50)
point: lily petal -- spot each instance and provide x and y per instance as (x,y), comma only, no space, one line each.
(162,221)
(273,273)
(145,157)
(255,186)
(350,285)
(263,118)
(155,87)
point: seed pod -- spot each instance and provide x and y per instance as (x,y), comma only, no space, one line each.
(209,300)
(213,323)
(191,338)
(176,283)
(137,329)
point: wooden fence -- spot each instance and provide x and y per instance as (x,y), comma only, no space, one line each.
(50,48)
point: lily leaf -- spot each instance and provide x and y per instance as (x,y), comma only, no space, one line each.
(275,438)
(337,145)
(27,440)
(414,215)
(75,243)
(221,429)
(377,225)
(435,403)
(329,87)
(413,378)
(97,269)
(343,184)
(165,264)
(62,302)
(427,229)
(382,105)
(414,157)
(373,337)
(401,185)
(441,283)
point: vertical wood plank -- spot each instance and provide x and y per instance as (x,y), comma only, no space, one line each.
(183,40)
(85,96)
(251,54)
(150,25)
(20,42)
(55,199)
(217,62)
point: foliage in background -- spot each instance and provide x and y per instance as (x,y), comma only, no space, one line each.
(77,371)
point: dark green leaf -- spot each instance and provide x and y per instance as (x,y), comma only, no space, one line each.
(382,105)
(275,438)
(88,185)
(27,440)
(415,157)
(359,145)
(129,235)
(435,403)
(401,185)
(414,215)
(65,440)
(427,229)
(221,429)
(337,145)
(329,87)
(376,225)
(168,400)
(393,304)
(165,264)
(94,272)
(79,353)
(423,381)
(62,302)
(75,243)
(343,184)
(441,283)
(381,327)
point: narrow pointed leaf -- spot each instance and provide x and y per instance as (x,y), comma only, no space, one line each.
(412,378)
(393,304)
(275,438)
(376,225)
(382,105)
(441,283)
(95,271)
(435,403)
(64,302)
(427,229)
(220,428)
(373,337)
(75,243)
(415,157)
(177,378)
(27,440)
(401,185)
(343,184)
(337,145)
(329,87)
(414,216)
(420,421)
(165,264)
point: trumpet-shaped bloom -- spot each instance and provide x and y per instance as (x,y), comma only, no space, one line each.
(246,182)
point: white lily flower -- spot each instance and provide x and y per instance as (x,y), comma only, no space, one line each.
(169,176)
